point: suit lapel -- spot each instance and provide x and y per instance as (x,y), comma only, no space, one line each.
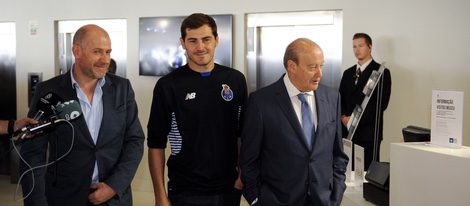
(108,108)
(69,93)
(322,109)
(285,104)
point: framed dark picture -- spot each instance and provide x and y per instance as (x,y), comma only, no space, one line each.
(160,51)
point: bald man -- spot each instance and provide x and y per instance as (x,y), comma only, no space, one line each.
(291,152)
(96,159)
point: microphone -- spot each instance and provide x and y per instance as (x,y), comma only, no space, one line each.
(66,111)
(46,105)
(69,110)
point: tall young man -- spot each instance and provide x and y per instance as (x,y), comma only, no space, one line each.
(199,108)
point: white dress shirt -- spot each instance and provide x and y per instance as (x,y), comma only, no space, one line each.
(93,113)
(363,66)
(292,91)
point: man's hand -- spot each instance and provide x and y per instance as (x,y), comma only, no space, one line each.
(238,184)
(345,120)
(23,122)
(102,193)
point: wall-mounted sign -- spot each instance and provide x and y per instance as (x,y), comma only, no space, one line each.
(447,118)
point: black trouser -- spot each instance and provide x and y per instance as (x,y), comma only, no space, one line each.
(231,198)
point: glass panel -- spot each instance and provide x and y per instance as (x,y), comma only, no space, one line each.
(268,35)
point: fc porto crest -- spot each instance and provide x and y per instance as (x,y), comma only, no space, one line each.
(226,93)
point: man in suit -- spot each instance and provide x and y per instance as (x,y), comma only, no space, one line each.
(369,132)
(292,151)
(96,159)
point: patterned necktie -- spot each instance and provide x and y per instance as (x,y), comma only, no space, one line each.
(357,75)
(307,119)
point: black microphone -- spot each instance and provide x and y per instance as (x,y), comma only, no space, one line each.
(46,105)
(66,111)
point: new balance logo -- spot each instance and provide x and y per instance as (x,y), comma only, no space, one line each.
(190,96)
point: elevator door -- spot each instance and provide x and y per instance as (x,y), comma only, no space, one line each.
(7,89)
(8,70)
(268,40)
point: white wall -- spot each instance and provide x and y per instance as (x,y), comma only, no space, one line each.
(425,44)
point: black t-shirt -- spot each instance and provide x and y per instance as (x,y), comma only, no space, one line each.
(200,114)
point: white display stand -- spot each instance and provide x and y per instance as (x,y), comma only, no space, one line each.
(347,148)
(358,166)
(353,196)
(423,174)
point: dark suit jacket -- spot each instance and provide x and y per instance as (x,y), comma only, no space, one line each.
(277,166)
(351,95)
(118,150)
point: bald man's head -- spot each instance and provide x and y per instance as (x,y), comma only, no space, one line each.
(84,31)
(297,46)
(92,51)
(304,61)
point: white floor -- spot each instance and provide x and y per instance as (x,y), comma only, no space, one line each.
(7,192)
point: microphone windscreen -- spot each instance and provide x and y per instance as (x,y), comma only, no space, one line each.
(69,110)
